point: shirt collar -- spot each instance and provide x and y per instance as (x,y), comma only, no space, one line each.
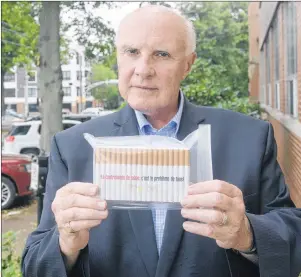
(142,121)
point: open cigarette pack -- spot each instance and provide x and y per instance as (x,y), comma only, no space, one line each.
(139,172)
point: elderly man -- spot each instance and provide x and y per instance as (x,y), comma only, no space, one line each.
(241,224)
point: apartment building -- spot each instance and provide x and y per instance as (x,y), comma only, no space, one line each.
(275,79)
(76,73)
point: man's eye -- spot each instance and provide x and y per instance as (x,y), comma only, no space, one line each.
(132,51)
(162,54)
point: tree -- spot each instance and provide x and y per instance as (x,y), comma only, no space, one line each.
(220,74)
(107,94)
(50,81)
(19,38)
(85,23)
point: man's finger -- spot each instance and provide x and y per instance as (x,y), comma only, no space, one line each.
(209,200)
(214,186)
(199,229)
(77,214)
(209,216)
(81,201)
(86,189)
(83,224)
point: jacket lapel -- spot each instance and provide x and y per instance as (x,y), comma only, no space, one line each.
(142,221)
(173,230)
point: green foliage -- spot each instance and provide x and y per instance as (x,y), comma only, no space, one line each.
(19,35)
(219,76)
(107,94)
(11,262)
(89,29)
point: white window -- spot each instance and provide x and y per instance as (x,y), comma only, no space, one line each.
(66,75)
(262,77)
(32,92)
(292,96)
(277,96)
(67,91)
(291,57)
(268,71)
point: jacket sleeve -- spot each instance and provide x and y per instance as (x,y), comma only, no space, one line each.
(42,255)
(277,229)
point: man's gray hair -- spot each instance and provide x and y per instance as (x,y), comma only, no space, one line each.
(190,30)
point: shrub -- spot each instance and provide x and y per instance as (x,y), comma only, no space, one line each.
(11,261)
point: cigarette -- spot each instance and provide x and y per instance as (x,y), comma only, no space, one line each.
(150,174)
(187,172)
(145,174)
(176,169)
(171,175)
(139,174)
(129,173)
(181,184)
(117,172)
(123,173)
(155,174)
(134,171)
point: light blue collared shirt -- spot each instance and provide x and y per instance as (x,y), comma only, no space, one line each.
(169,130)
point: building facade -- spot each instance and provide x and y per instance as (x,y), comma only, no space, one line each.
(76,75)
(275,79)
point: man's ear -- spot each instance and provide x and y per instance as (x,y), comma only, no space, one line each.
(189,62)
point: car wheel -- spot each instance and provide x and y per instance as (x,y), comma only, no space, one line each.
(8,193)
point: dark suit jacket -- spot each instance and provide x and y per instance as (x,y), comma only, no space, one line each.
(243,153)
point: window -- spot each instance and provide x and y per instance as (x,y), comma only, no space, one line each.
(9,77)
(9,92)
(19,130)
(277,96)
(291,57)
(68,125)
(78,58)
(276,61)
(32,92)
(268,70)
(78,91)
(67,91)
(33,108)
(32,76)
(262,77)
(78,75)
(66,75)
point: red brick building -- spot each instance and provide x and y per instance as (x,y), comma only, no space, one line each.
(275,79)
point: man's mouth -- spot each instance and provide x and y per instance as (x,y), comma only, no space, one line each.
(145,87)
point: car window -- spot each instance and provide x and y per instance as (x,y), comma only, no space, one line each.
(67,125)
(39,129)
(19,130)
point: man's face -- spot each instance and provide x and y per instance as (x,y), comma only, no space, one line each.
(152,61)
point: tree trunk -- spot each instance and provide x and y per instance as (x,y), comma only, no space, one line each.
(3,93)
(50,81)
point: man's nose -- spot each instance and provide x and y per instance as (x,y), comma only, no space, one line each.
(144,68)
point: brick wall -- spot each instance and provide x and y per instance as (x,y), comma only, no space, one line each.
(289,158)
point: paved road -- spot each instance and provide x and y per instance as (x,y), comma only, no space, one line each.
(22,220)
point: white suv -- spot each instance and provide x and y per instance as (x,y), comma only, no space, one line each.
(24,137)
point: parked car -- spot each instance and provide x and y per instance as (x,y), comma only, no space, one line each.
(79,117)
(16,177)
(92,110)
(24,137)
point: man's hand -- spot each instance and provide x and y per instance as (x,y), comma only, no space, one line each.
(219,210)
(77,208)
